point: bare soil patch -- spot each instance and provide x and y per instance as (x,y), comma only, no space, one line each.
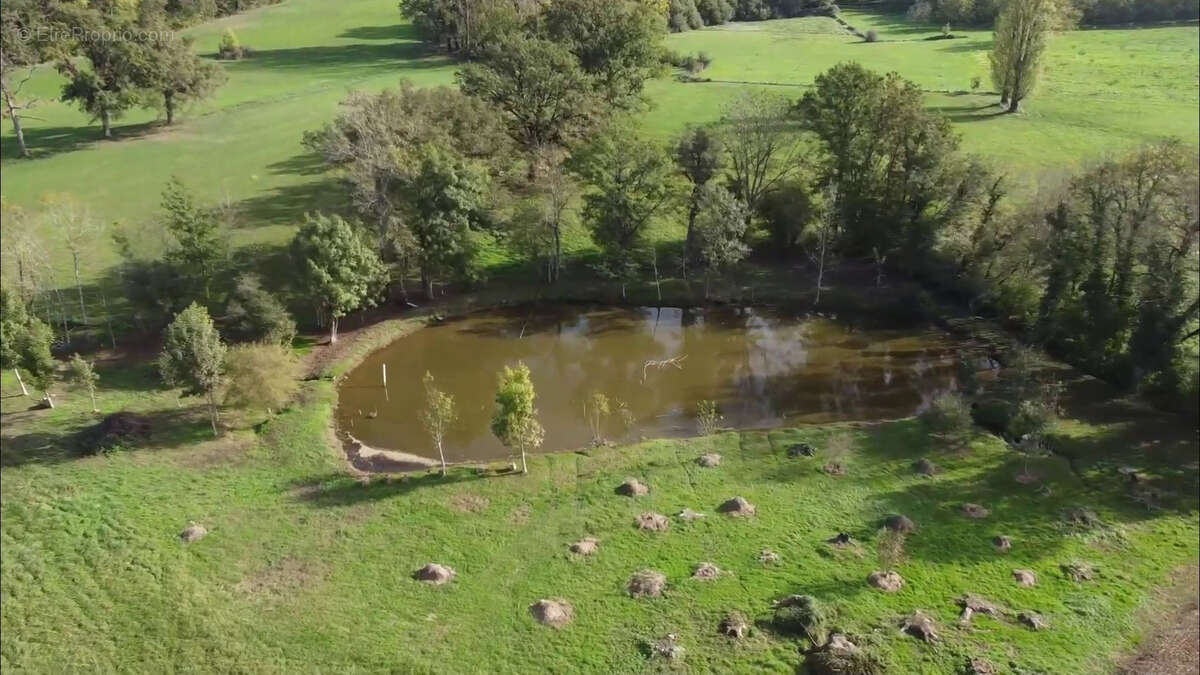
(555,613)
(633,487)
(284,576)
(468,503)
(738,507)
(652,522)
(889,582)
(435,574)
(1172,624)
(585,546)
(647,584)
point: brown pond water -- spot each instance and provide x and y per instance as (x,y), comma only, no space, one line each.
(763,369)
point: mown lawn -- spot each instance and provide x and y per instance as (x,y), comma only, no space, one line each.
(1102,91)
(308,569)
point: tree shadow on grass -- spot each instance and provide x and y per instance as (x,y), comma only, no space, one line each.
(341,490)
(288,204)
(348,60)
(46,142)
(396,32)
(169,428)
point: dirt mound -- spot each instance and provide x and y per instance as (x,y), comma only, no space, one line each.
(706,571)
(555,613)
(840,656)
(1078,571)
(834,469)
(900,523)
(666,648)
(886,581)
(1025,577)
(1082,517)
(921,626)
(193,532)
(434,574)
(1002,542)
(738,506)
(768,557)
(974,511)
(633,487)
(115,430)
(653,522)
(710,460)
(585,546)
(978,666)
(690,515)
(647,584)
(973,604)
(801,450)
(734,625)
(1033,620)
(925,467)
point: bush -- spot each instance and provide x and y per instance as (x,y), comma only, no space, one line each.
(231,48)
(788,211)
(801,615)
(871,36)
(1031,419)
(715,12)
(708,417)
(262,376)
(949,417)
(254,315)
(683,16)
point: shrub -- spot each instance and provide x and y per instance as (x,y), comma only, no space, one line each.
(231,48)
(801,615)
(976,82)
(871,36)
(715,12)
(708,417)
(1031,418)
(261,376)
(683,16)
(948,417)
(254,315)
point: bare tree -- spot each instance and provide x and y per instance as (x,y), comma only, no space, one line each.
(68,219)
(763,147)
(827,226)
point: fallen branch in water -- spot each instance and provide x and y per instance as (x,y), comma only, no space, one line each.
(662,364)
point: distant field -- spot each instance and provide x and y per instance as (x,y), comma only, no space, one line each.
(1103,91)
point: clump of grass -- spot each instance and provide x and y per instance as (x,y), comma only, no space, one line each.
(708,418)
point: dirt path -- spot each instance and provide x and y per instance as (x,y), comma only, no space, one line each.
(1173,647)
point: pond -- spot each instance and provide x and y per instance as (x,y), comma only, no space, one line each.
(762,368)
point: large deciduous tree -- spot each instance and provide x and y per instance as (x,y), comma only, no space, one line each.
(1019,41)
(193,358)
(337,267)
(631,182)
(447,196)
(114,74)
(538,86)
(763,147)
(700,157)
(720,231)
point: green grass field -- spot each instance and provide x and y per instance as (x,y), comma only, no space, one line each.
(1103,91)
(306,569)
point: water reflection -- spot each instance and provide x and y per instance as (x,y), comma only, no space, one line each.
(763,369)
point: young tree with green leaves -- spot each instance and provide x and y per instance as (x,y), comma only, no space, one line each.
(197,247)
(437,415)
(515,420)
(83,374)
(262,376)
(764,148)
(337,267)
(193,358)
(720,231)
(700,156)
(25,344)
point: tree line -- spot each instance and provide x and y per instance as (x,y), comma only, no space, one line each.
(538,140)
(115,56)
(1087,12)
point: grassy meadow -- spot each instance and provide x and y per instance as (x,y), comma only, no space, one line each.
(308,569)
(1103,91)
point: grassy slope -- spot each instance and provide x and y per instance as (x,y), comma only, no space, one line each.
(307,569)
(1103,91)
